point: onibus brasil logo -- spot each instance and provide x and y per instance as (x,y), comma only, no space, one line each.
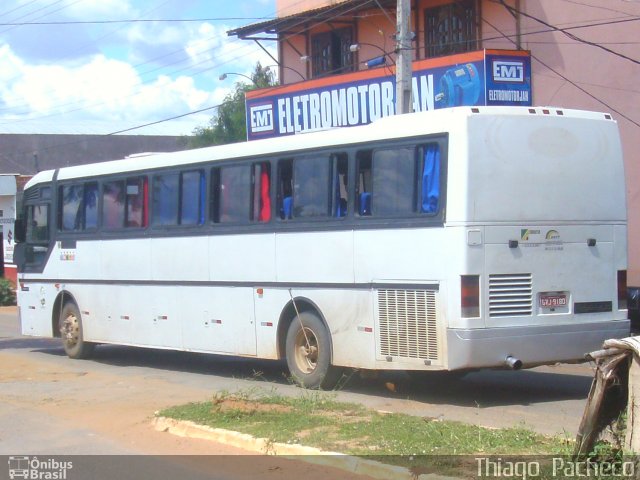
(38,469)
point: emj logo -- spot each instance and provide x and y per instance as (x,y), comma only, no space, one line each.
(508,71)
(261,118)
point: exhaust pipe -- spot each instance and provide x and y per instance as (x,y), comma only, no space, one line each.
(513,363)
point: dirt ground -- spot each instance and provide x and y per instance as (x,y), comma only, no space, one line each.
(119,408)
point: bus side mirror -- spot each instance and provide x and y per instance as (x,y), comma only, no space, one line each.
(20,256)
(19,231)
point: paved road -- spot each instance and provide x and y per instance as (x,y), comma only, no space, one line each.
(51,404)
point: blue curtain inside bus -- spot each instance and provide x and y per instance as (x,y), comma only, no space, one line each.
(340,203)
(431,179)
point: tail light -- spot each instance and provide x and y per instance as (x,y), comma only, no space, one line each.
(470,296)
(622,289)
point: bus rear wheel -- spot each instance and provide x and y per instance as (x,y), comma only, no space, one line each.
(309,353)
(71,333)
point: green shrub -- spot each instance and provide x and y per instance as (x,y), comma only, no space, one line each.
(7,292)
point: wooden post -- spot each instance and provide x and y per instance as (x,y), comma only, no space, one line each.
(632,437)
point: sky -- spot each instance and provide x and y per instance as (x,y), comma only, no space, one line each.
(100,66)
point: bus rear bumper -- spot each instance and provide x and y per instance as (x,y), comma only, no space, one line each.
(533,345)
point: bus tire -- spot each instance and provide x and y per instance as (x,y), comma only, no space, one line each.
(71,333)
(310,365)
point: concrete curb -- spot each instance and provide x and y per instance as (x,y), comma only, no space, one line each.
(348,463)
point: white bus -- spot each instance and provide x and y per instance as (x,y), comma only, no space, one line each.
(448,240)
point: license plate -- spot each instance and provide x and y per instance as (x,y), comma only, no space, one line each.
(553,301)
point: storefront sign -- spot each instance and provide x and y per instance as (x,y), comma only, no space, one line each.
(487,77)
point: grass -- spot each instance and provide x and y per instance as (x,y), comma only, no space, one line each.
(316,419)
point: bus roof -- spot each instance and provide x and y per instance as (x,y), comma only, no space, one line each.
(409,125)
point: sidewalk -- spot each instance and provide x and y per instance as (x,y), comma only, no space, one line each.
(348,463)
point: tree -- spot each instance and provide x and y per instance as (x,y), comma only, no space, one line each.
(229,125)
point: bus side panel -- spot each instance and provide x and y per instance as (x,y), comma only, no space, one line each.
(349,315)
(100,309)
(125,259)
(241,258)
(208,319)
(404,255)
(315,257)
(180,259)
(216,319)
(268,306)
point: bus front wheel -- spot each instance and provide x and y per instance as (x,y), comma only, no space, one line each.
(71,333)
(309,353)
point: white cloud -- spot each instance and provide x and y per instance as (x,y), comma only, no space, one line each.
(103,90)
(85,79)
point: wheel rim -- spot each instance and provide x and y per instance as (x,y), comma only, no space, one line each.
(306,355)
(70,330)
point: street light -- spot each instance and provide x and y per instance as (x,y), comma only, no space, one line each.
(356,46)
(373,62)
(224,76)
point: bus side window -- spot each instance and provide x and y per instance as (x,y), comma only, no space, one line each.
(70,207)
(113,205)
(91,206)
(311,187)
(230,201)
(363,182)
(261,179)
(137,202)
(192,198)
(78,207)
(214,214)
(340,166)
(285,188)
(394,181)
(165,199)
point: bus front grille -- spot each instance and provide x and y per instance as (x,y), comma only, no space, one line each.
(407,324)
(510,295)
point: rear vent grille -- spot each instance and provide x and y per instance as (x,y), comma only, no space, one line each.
(510,295)
(407,321)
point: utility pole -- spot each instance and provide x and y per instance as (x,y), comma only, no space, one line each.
(403,58)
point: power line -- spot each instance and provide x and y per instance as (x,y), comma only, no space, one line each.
(17,8)
(385,13)
(600,85)
(216,106)
(191,66)
(46,14)
(567,79)
(570,35)
(582,4)
(166,119)
(140,20)
(220,64)
(142,84)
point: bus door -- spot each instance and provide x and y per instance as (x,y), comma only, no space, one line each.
(31,256)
